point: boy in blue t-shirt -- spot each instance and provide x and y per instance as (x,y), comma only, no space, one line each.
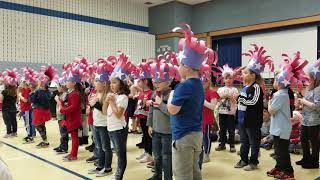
(185,105)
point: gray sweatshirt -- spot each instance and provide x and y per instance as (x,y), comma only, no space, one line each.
(159,117)
(311,115)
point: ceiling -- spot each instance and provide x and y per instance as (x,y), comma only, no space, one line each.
(157,2)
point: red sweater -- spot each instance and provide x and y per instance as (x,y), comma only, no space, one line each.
(25,106)
(142,110)
(72,110)
(295,134)
(208,116)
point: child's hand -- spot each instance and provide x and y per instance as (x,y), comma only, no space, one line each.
(149,103)
(150,131)
(158,100)
(57,98)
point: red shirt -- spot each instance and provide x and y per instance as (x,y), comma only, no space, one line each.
(295,133)
(208,116)
(25,106)
(142,110)
(72,110)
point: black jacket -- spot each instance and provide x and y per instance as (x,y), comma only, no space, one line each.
(254,102)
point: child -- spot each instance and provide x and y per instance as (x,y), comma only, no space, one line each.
(279,108)
(146,85)
(40,101)
(100,120)
(25,104)
(295,145)
(114,107)
(71,108)
(227,108)
(64,137)
(266,137)
(8,98)
(185,105)
(26,110)
(132,105)
(310,128)
(159,121)
(250,109)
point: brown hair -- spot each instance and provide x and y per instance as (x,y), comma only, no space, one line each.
(124,88)
(11,90)
(105,93)
(315,84)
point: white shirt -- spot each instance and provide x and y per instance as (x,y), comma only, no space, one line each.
(115,123)
(226,105)
(99,119)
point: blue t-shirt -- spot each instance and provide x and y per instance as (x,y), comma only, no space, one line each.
(190,96)
(241,107)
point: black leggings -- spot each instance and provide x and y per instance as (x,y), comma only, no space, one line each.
(310,134)
(41,128)
(146,137)
(10,120)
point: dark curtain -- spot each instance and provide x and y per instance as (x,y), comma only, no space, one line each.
(229,51)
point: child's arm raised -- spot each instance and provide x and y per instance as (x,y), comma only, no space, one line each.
(118,110)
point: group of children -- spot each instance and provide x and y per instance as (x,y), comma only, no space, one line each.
(177,122)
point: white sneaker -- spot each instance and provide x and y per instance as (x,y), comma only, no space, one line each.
(206,158)
(147,158)
(113,177)
(103,172)
(141,156)
(94,171)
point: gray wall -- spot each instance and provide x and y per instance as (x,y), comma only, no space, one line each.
(36,66)
(164,18)
(223,14)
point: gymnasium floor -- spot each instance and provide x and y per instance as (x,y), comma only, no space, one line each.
(27,162)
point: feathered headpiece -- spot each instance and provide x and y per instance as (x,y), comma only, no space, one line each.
(144,70)
(123,67)
(76,70)
(47,74)
(210,61)
(30,75)
(225,70)
(258,59)
(104,68)
(192,52)
(11,77)
(164,68)
(292,71)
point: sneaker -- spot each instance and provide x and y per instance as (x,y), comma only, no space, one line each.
(220,147)
(42,145)
(7,136)
(284,175)
(250,167)
(273,172)
(300,162)
(240,164)
(141,156)
(206,158)
(69,158)
(147,158)
(55,149)
(61,151)
(95,163)
(310,165)
(233,149)
(95,170)
(28,140)
(150,164)
(14,134)
(91,159)
(113,177)
(104,172)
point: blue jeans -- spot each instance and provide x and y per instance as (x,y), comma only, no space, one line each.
(27,117)
(250,138)
(64,137)
(119,140)
(162,152)
(102,144)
